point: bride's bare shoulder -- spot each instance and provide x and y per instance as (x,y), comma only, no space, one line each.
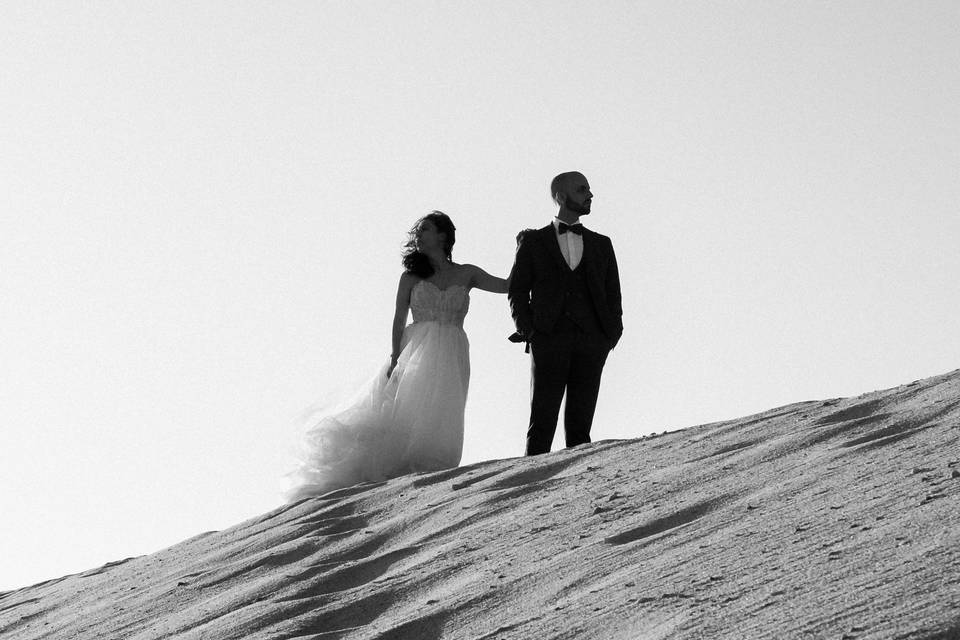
(407,280)
(469,271)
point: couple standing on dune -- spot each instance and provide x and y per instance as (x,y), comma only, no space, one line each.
(564,293)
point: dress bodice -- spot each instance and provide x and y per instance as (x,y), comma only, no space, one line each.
(446,306)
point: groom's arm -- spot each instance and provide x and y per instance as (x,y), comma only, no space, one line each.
(521,281)
(614,299)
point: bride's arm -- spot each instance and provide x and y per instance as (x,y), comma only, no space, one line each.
(407,281)
(483,280)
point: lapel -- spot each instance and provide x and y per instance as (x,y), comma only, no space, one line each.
(553,246)
(587,246)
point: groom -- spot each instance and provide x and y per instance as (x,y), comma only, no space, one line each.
(565,300)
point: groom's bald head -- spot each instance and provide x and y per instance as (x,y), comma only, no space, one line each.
(561,183)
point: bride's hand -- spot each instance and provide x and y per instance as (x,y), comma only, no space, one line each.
(393,365)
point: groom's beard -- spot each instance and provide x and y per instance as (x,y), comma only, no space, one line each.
(581,209)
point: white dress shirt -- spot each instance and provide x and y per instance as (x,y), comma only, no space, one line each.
(571,244)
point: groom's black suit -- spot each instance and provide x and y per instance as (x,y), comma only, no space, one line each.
(571,318)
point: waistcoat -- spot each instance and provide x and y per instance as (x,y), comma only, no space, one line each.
(578,309)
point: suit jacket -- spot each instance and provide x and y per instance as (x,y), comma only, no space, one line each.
(536,282)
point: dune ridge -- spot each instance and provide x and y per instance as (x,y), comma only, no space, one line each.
(835,518)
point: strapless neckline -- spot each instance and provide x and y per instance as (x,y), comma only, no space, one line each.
(452,286)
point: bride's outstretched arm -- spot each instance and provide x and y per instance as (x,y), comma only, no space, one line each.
(483,280)
(407,281)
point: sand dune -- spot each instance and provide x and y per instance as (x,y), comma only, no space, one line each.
(824,519)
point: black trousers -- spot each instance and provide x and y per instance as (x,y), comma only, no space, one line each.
(572,362)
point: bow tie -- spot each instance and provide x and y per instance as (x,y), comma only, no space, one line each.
(572,228)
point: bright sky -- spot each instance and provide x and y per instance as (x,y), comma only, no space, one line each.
(202,205)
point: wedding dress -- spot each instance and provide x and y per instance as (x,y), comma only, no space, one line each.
(411,421)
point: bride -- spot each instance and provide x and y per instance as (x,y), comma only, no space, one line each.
(409,417)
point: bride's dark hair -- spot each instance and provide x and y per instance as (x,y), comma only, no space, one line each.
(417,263)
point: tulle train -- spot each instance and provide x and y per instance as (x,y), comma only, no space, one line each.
(412,421)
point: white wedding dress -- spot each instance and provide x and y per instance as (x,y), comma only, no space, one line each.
(411,421)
